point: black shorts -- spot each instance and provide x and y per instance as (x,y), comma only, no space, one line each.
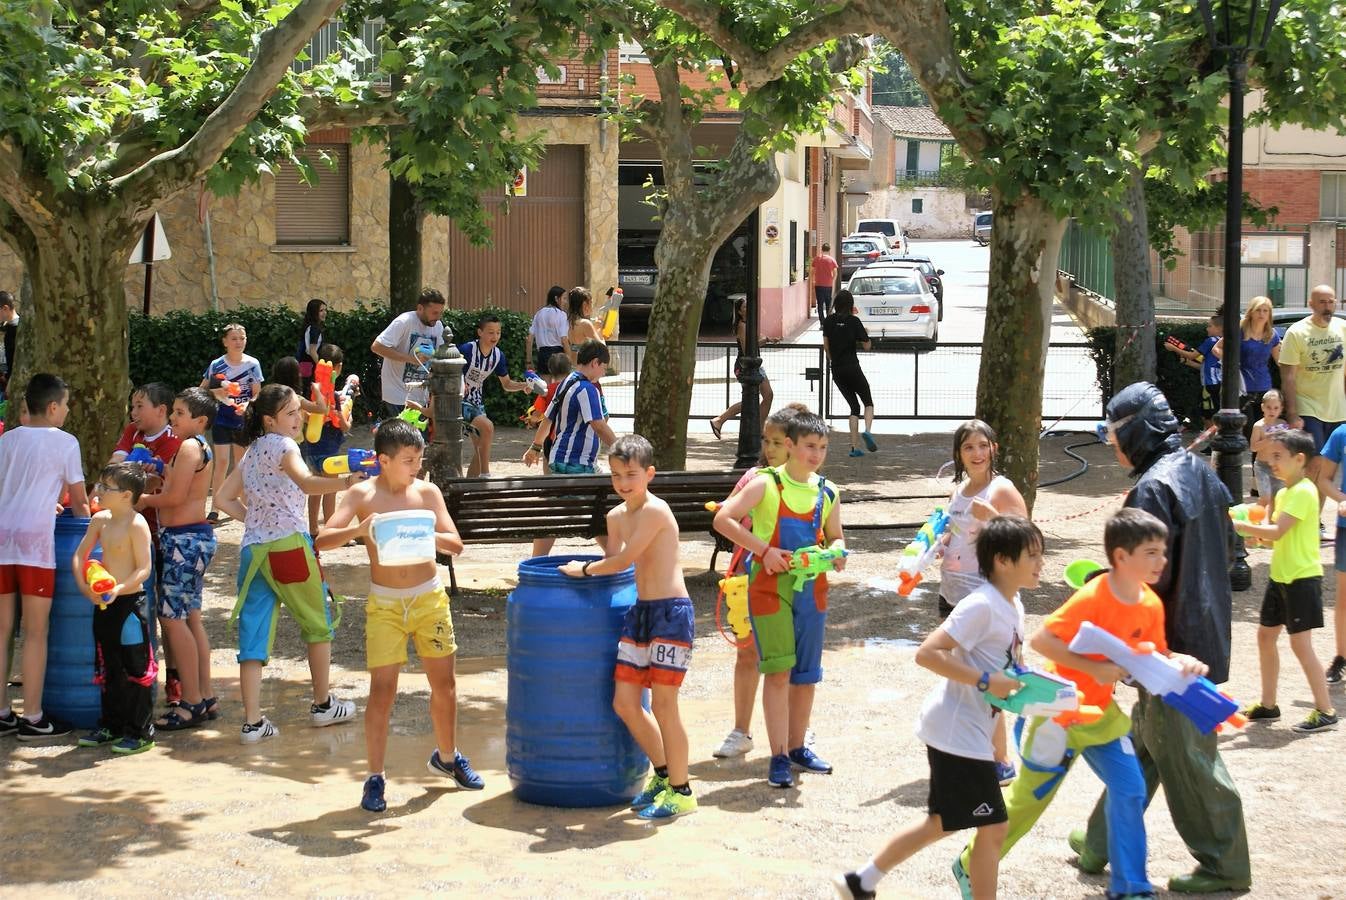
(964,793)
(1297,605)
(223,435)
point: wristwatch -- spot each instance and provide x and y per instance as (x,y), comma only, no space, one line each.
(984,682)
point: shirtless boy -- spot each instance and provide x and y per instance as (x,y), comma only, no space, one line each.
(656,643)
(124,664)
(405,601)
(186,546)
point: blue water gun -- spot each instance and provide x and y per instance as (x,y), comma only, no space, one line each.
(921,552)
(142,455)
(366,462)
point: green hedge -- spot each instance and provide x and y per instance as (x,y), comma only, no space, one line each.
(176,348)
(1180,383)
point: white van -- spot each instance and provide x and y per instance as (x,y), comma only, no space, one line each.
(890,227)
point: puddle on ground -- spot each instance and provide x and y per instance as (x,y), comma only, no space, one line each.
(872,644)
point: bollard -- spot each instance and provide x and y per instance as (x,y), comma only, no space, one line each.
(444,456)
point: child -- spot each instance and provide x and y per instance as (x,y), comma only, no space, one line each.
(286,372)
(1294,597)
(1271,422)
(277,563)
(1332,484)
(236,367)
(983,635)
(405,601)
(746,676)
(656,644)
(186,547)
(791,507)
(124,666)
(1205,359)
(38,462)
(1121,603)
(986,495)
(483,359)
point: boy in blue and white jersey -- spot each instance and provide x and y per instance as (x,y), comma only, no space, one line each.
(484,359)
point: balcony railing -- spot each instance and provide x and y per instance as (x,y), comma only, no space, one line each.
(326,42)
(927,178)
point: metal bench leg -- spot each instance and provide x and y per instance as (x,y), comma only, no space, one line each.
(453,580)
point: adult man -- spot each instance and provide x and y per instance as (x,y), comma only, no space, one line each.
(9,326)
(406,346)
(1182,490)
(824,269)
(1311,364)
(579,420)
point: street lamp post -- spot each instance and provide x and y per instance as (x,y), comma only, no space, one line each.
(1230,444)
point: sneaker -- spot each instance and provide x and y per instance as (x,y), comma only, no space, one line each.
(848,886)
(332,712)
(653,788)
(461,771)
(870,443)
(97,738)
(804,758)
(778,774)
(668,805)
(172,687)
(1005,772)
(737,744)
(129,746)
(1085,860)
(1258,711)
(373,796)
(263,730)
(44,728)
(9,724)
(960,875)
(1318,720)
(1334,671)
(856,451)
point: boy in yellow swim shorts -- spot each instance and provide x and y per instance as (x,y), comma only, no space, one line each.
(405,601)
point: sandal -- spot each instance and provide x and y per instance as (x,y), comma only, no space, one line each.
(715,429)
(212,708)
(173,720)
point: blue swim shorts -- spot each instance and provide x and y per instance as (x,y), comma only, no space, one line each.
(656,643)
(186,551)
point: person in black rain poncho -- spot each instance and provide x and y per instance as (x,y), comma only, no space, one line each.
(1184,492)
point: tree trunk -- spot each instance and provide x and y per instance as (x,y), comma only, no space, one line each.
(1135,358)
(76,327)
(669,364)
(1025,249)
(405,218)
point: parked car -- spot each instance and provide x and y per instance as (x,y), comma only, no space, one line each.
(636,272)
(891,227)
(896,304)
(639,277)
(1284,316)
(932,276)
(981,228)
(862,250)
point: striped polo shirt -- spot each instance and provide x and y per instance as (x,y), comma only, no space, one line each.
(480,366)
(576,404)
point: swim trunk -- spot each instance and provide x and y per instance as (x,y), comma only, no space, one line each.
(30,581)
(656,643)
(223,435)
(964,793)
(471,411)
(394,614)
(789,633)
(186,551)
(560,468)
(279,573)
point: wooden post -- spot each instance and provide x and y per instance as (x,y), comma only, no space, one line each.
(444,456)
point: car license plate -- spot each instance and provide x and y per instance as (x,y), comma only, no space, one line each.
(885,310)
(637,279)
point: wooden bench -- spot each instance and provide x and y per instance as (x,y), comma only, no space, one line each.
(514,510)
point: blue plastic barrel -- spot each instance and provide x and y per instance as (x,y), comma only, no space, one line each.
(69,692)
(564,746)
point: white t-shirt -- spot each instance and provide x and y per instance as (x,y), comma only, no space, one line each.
(277,507)
(35,466)
(550,327)
(408,334)
(989,632)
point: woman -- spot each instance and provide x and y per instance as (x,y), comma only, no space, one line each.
(1259,348)
(310,339)
(548,332)
(843,335)
(763,391)
(579,318)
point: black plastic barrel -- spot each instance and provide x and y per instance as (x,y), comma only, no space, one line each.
(564,746)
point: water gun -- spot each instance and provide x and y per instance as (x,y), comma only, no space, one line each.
(349,391)
(324,391)
(535,383)
(1045,694)
(99,580)
(415,417)
(807,563)
(1195,696)
(366,462)
(1248,512)
(921,552)
(610,313)
(234,391)
(1179,346)
(141,454)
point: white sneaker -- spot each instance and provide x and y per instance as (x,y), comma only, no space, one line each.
(337,710)
(737,744)
(253,734)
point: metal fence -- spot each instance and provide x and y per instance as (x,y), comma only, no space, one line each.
(937,385)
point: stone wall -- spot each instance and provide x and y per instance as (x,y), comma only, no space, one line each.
(944,214)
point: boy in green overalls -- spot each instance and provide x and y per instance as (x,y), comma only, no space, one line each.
(792,507)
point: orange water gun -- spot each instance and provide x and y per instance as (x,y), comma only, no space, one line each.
(324,391)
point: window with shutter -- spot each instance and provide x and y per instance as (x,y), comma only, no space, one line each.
(316,215)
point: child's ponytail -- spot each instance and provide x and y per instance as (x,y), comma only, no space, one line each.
(272,399)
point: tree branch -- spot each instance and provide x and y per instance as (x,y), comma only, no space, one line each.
(177,168)
(21,192)
(323,113)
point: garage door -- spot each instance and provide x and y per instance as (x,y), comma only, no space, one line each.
(538,242)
